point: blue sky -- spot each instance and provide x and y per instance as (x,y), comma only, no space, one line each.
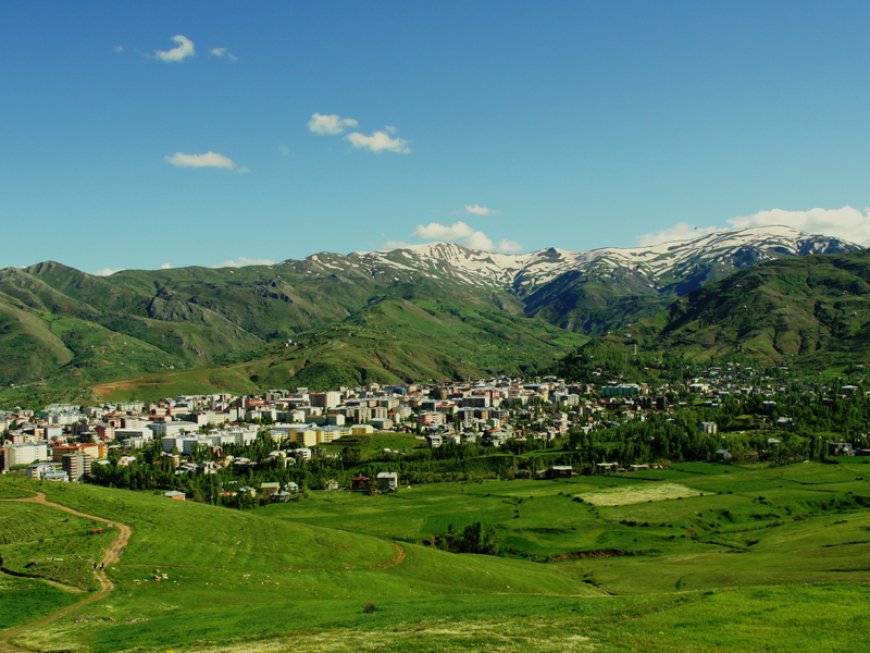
(137,135)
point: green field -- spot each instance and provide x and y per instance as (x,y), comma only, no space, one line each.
(699,557)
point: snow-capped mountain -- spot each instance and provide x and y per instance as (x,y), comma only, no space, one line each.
(679,265)
(593,291)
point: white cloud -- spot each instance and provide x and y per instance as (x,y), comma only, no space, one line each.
(182,51)
(379,141)
(329,124)
(394,244)
(678,232)
(438,231)
(508,246)
(105,272)
(206,160)
(479,210)
(119,49)
(166,266)
(223,53)
(848,223)
(243,261)
(479,240)
(465,235)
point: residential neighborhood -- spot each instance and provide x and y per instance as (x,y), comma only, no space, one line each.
(285,431)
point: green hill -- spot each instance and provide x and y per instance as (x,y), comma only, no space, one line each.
(813,310)
(334,320)
(696,558)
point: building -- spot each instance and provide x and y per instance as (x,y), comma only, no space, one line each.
(621,390)
(46,472)
(388,481)
(24,454)
(360,483)
(76,465)
(325,399)
(560,471)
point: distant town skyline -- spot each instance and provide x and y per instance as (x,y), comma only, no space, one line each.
(217,133)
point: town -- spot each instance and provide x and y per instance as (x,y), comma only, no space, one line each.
(272,446)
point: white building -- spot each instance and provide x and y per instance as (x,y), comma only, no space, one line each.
(25,454)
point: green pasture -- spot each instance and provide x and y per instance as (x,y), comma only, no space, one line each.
(771,559)
(42,542)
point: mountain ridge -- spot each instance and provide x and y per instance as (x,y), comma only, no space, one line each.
(57,322)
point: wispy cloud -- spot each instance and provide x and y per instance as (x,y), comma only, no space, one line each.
(394,244)
(223,53)
(478,210)
(379,141)
(330,124)
(182,51)
(678,232)
(118,49)
(462,233)
(847,223)
(243,261)
(382,140)
(206,160)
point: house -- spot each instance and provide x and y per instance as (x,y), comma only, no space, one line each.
(722,455)
(840,449)
(710,428)
(560,471)
(606,468)
(280,497)
(388,481)
(175,495)
(360,483)
(270,488)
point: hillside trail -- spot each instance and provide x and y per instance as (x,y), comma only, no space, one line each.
(397,559)
(106,585)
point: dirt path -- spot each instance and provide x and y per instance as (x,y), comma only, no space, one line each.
(397,559)
(106,585)
(46,581)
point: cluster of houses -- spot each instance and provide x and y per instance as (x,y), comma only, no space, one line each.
(63,442)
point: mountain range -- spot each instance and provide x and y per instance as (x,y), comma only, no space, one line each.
(418,312)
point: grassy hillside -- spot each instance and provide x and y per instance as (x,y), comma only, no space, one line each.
(407,337)
(323,322)
(231,576)
(814,310)
(745,557)
(198,329)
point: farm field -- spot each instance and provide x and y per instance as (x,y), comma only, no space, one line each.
(695,558)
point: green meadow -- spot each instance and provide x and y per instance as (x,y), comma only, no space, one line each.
(698,557)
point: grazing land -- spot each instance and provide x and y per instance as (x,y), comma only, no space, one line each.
(696,557)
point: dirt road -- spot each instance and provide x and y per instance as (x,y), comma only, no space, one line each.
(106,585)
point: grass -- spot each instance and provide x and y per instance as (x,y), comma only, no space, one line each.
(23,600)
(766,559)
(622,496)
(45,543)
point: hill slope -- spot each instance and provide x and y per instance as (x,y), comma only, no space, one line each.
(432,311)
(815,308)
